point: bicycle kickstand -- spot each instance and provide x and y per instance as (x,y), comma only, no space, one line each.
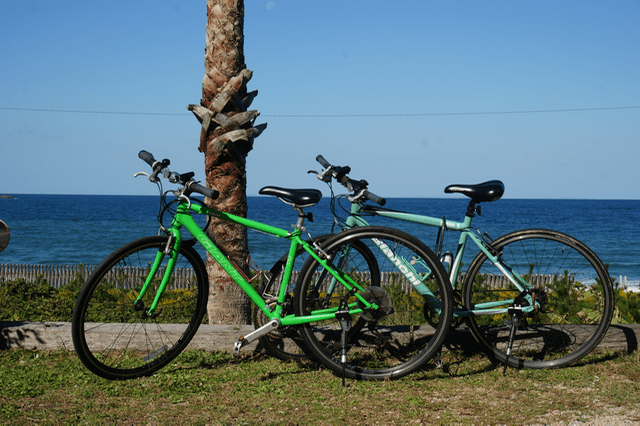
(515,313)
(345,322)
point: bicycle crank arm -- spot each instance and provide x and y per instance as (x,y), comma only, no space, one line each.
(254,335)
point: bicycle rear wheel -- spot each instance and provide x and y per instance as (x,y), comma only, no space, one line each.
(285,343)
(405,332)
(117,340)
(571,285)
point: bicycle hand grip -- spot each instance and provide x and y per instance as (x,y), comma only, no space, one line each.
(147,157)
(376,199)
(207,192)
(324,163)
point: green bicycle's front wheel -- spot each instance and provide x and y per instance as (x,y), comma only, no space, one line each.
(573,299)
(414,300)
(116,339)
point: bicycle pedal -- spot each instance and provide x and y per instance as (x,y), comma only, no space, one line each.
(438,361)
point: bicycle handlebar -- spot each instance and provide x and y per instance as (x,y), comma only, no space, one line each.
(193,186)
(375,198)
(324,163)
(147,157)
(359,188)
(161,167)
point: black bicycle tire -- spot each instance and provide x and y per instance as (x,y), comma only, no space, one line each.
(88,356)
(420,356)
(286,344)
(567,241)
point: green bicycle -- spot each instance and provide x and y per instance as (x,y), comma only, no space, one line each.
(144,303)
(534,298)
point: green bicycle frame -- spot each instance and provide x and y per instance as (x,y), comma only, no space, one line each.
(490,308)
(183,219)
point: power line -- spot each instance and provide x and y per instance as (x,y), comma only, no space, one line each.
(91,112)
(426,114)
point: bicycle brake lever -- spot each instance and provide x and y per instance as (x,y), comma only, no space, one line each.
(141,174)
(355,197)
(324,175)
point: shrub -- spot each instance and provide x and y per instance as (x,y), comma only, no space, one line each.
(38,301)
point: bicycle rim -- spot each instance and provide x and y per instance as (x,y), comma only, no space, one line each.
(571,287)
(401,336)
(117,341)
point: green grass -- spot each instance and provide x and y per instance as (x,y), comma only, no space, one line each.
(211,388)
(205,388)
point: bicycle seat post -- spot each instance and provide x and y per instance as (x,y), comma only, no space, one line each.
(301,217)
(472,209)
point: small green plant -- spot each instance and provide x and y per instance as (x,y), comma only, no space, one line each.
(38,301)
(627,305)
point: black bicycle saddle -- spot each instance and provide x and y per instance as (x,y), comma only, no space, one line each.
(296,197)
(487,191)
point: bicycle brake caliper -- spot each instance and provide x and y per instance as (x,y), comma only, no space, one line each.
(321,252)
(169,246)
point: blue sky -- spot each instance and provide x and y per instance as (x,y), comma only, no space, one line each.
(426,94)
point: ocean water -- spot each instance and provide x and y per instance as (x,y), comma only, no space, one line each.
(74,229)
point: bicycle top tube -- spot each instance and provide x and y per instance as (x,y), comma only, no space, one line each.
(228,217)
(418,218)
(483,192)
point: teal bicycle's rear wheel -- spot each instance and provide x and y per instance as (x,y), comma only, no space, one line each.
(572,289)
(405,332)
(117,340)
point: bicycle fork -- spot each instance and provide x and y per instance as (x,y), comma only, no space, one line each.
(171,249)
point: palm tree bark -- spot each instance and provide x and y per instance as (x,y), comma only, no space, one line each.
(226,138)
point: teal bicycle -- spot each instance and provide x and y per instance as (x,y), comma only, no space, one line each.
(534,298)
(144,303)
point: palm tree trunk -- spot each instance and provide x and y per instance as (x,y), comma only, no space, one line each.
(226,138)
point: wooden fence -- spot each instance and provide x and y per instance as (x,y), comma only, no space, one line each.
(56,275)
(59,275)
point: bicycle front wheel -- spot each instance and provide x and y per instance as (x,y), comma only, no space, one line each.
(572,289)
(116,339)
(413,296)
